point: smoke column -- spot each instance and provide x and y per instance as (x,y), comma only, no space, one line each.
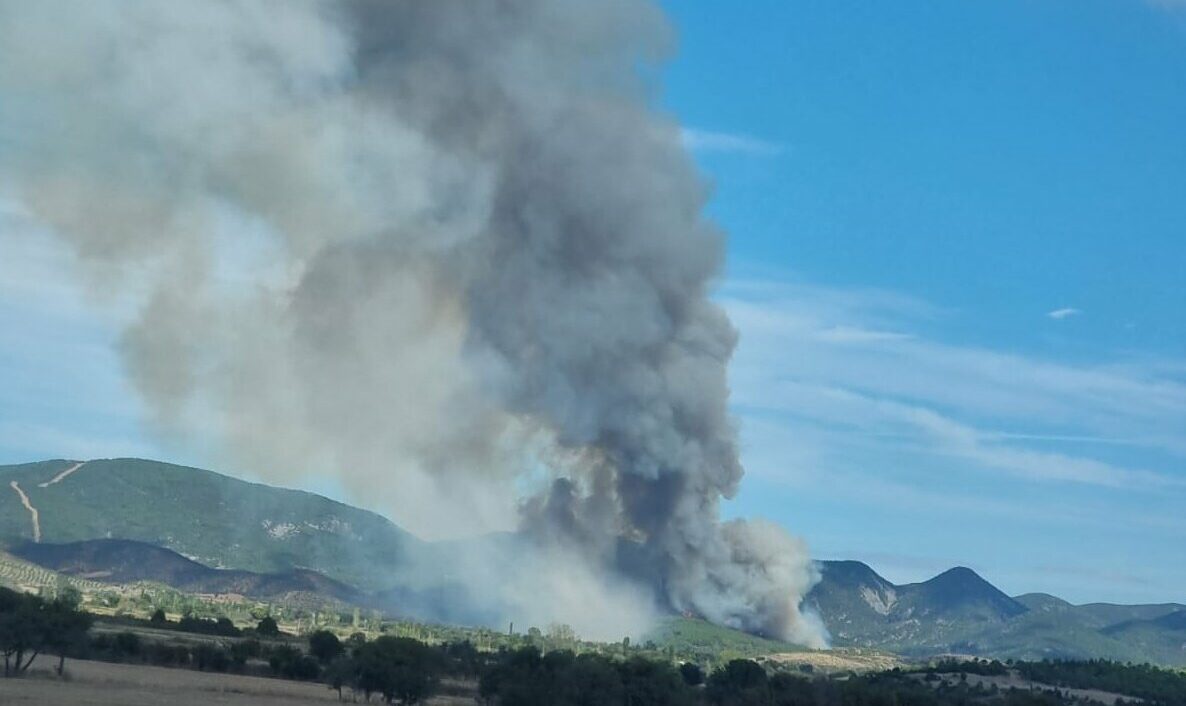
(444,249)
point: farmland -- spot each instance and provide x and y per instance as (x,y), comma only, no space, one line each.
(103,684)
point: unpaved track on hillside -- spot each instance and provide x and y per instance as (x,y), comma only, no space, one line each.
(61,476)
(102,684)
(32,510)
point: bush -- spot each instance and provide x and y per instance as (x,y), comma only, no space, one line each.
(398,668)
(325,646)
(165,655)
(741,681)
(221,627)
(242,651)
(525,677)
(127,644)
(207,657)
(267,627)
(289,662)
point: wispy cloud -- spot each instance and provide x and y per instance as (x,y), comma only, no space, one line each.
(847,362)
(729,143)
(864,426)
(1064,313)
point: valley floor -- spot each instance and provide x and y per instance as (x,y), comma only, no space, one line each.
(103,684)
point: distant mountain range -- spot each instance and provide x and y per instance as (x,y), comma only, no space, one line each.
(127,520)
(959,612)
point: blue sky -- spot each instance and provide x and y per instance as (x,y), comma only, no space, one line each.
(957,255)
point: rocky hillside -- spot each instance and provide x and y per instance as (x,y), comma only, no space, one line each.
(959,612)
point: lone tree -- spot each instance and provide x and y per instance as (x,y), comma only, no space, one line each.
(342,672)
(66,626)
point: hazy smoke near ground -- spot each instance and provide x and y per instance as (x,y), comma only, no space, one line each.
(445,249)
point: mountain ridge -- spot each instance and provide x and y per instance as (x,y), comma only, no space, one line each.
(214,519)
(958,611)
(125,561)
(222,534)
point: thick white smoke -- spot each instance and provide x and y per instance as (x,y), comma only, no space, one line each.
(444,249)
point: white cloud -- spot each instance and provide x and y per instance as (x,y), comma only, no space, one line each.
(852,334)
(1064,313)
(730,143)
(848,375)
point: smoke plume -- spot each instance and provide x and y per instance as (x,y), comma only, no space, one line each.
(444,249)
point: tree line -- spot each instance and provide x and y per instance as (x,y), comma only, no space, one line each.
(1155,685)
(31,625)
(405,670)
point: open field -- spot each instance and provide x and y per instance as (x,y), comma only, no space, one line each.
(102,684)
(828,661)
(1013,680)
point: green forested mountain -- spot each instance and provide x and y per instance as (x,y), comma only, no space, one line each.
(211,518)
(225,523)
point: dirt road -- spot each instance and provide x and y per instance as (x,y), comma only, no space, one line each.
(32,510)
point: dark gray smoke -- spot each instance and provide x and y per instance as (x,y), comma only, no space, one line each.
(445,249)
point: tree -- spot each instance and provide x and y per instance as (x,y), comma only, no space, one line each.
(127,643)
(30,625)
(464,658)
(589,680)
(242,650)
(525,677)
(647,681)
(400,668)
(224,626)
(22,629)
(212,657)
(158,618)
(66,626)
(267,627)
(740,682)
(561,633)
(692,673)
(325,646)
(343,671)
(287,661)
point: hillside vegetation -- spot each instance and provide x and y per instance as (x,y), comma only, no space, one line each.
(120,522)
(214,519)
(959,612)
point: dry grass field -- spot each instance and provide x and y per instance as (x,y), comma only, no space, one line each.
(838,660)
(1013,681)
(103,684)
